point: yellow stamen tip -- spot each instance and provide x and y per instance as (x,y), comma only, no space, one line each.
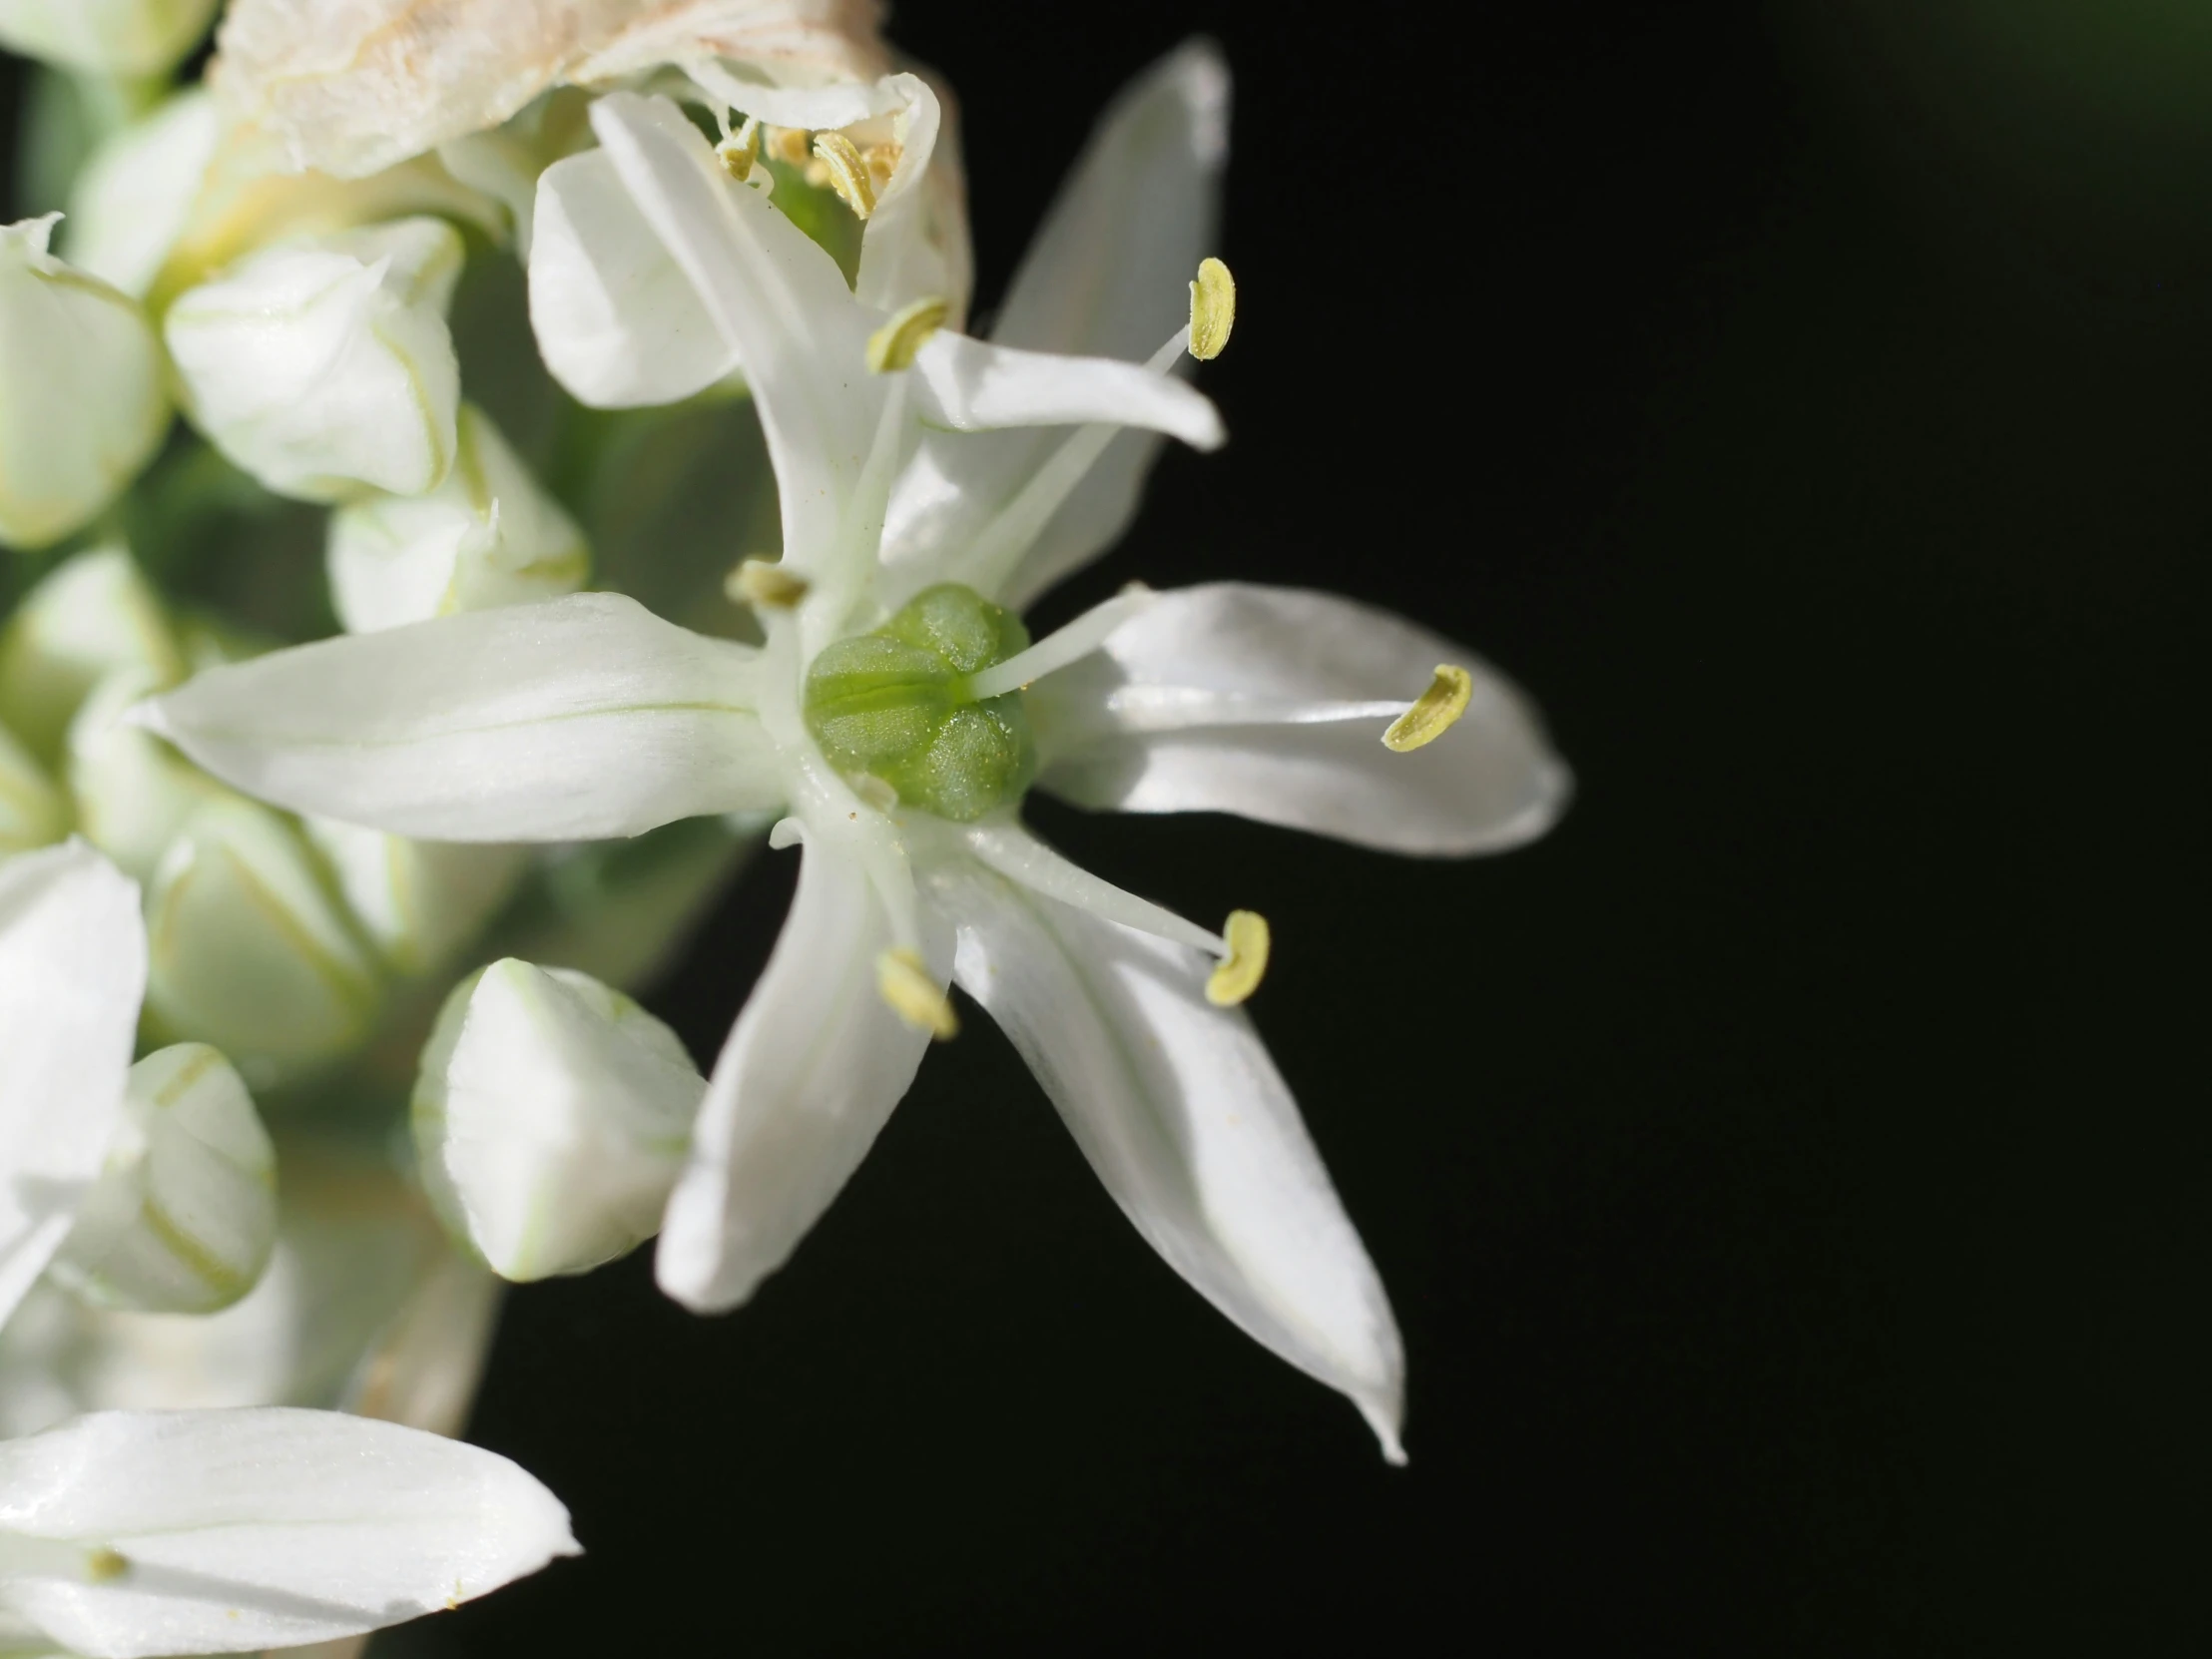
(906,984)
(893,347)
(1213,310)
(765,585)
(105,1566)
(847,169)
(1240,972)
(740,151)
(789,145)
(1435,711)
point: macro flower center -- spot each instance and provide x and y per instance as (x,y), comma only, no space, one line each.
(901,704)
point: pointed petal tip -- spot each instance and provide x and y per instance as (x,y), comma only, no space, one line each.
(148,715)
(1384,1417)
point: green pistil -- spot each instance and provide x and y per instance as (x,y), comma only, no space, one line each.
(895,704)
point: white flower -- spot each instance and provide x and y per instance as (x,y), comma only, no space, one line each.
(130,38)
(889,716)
(488,535)
(88,616)
(324,365)
(135,197)
(82,405)
(551,1119)
(132,1533)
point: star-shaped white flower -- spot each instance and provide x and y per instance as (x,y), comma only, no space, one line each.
(896,712)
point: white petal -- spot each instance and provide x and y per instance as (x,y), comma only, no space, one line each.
(72,969)
(574,720)
(249,949)
(135,197)
(91,614)
(488,535)
(265,1527)
(618,322)
(1180,1110)
(420,902)
(86,405)
(915,242)
(806,1082)
(132,791)
(1193,707)
(324,365)
(551,1118)
(183,1216)
(973,386)
(776,297)
(123,38)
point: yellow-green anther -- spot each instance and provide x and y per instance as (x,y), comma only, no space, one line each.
(789,145)
(849,172)
(900,705)
(105,1566)
(1434,713)
(1213,310)
(893,347)
(740,151)
(906,982)
(1240,972)
(765,585)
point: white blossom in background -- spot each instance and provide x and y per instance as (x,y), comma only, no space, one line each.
(33,809)
(323,366)
(551,1119)
(890,716)
(128,1534)
(126,38)
(82,404)
(489,534)
(136,195)
(183,1216)
(88,616)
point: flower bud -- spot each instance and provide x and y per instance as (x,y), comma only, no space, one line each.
(183,1218)
(551,1118)
(105,37)
(488,535)
(420,903)
(248,951)
(81,404)
(135,197)
(133,792)
(32,811)
(92,613)
(324,365)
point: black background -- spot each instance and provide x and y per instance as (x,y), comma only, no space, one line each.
(1785,1175)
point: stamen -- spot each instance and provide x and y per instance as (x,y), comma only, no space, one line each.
(1213,310)
(891,347)
(1020,856)
(765,585)
(105,1566)
(849,175)
(1055,651)
(739,150)
(882,164)
(904,981)
(1435,711)
(789,145)
(1241,971)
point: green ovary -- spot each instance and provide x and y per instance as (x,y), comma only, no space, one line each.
(895,704)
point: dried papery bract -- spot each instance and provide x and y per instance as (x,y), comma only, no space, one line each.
(352,85)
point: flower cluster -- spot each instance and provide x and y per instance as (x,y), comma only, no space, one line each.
(321,902)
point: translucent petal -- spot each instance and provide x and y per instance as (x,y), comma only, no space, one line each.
(264,1527)
(973,386)
(805,1084)
(1180,1110)
(573,720)
(1217,698)
(72,968)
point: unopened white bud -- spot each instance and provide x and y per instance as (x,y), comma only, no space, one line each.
(323,366)
(136,195)
(105,37)
(489,535)
(82,403)
(33,811)
(183,1218)
(248,949)
(133,792)
(551,1118)
(92,613)
(420,903)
